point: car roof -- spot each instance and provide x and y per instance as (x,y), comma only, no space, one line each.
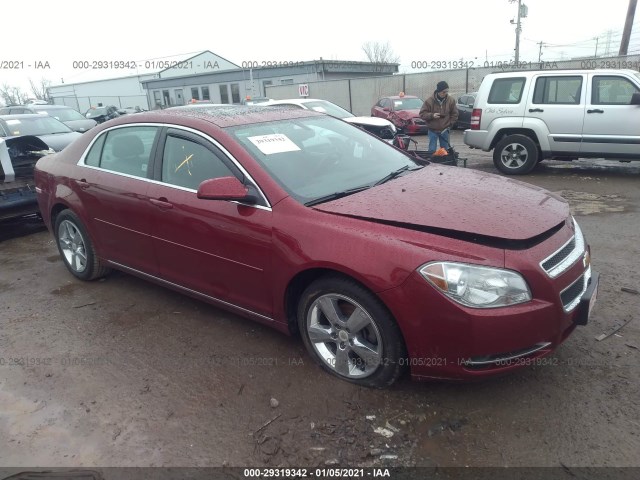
(20,116)
(398,97)
(36,106)
(577,71)
(221,117)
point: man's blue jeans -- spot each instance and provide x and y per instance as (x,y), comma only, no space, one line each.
(435,136)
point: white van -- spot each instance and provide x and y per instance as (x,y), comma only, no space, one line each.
(528,116)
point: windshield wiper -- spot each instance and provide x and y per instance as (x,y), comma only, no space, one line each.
(395,174)
(336,195)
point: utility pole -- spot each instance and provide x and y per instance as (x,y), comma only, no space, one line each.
(540,53)
(522,13)
(596,54)
(628,25)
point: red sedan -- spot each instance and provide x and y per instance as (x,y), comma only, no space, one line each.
(403,111)
(313,226)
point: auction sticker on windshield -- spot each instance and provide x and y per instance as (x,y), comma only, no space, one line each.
(274,143)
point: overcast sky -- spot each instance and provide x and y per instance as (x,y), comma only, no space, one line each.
(63,31)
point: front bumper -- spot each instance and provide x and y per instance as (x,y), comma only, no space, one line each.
(446,340)
(413,129)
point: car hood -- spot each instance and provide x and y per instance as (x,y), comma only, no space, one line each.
(407,114)
(371,121)
(81,125)
(58,141)
(452,200)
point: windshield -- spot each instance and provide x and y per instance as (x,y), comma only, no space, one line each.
(317,156)
(40,125)
(62,114)
(407,104)
(96,112)
(328,108)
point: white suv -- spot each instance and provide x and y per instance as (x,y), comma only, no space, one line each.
(528,116)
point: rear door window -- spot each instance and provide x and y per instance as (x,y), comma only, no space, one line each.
(128,150)
(506,90)
(558,90)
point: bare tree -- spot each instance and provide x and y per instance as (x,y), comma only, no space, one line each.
(379,54)
(12,95)
(41,90)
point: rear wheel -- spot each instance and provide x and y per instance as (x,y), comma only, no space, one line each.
(515,155)
(350,333)
(76,248)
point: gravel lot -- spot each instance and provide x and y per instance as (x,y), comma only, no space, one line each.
(121,372)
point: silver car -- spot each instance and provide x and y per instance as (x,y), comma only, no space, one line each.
(67,115)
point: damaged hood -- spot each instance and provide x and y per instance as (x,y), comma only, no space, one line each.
(457,200)
(408,114)
(369,121)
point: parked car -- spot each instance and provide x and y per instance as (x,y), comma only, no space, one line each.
(255,100)
(67,115)
(465,107)
(528,116)
(403,111)
(18,156)
(301,222)
(51,131)
(102,114)
(378,126)
(129,110)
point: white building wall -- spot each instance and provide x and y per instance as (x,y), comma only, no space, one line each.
(121,92)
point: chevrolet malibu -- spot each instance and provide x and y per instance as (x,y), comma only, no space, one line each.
(315,227)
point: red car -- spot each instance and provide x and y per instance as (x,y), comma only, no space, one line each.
(403,111)
(310,225)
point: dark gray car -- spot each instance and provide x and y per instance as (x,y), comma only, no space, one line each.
(51,131)
(67,115)
(465,107)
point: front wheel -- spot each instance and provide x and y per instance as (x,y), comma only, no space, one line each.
(515,155)
(76,248)
(350,333)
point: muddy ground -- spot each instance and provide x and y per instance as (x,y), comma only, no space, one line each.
(121,372)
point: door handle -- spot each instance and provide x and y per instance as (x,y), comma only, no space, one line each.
(83,184)
(597,110)
(161,202)
(533,110)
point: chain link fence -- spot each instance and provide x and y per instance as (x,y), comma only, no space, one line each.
(82,104)
(358,95)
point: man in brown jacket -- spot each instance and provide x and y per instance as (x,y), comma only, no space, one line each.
(439,112)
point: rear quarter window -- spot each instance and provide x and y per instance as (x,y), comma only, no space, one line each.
(506,90)
(93,157)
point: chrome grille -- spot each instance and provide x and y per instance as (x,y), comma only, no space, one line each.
(563,258)
(571,295)
(560,255)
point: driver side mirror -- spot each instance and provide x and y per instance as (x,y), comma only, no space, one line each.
(635,99)
(225,188)
(386,109)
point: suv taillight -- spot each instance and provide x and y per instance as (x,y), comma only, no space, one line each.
(476,116)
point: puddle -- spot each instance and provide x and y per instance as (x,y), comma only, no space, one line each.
(583,203)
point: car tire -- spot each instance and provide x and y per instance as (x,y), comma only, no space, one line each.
(350,333)
(515,155)
(76,248)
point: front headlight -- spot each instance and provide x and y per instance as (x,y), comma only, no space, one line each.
(475,286)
